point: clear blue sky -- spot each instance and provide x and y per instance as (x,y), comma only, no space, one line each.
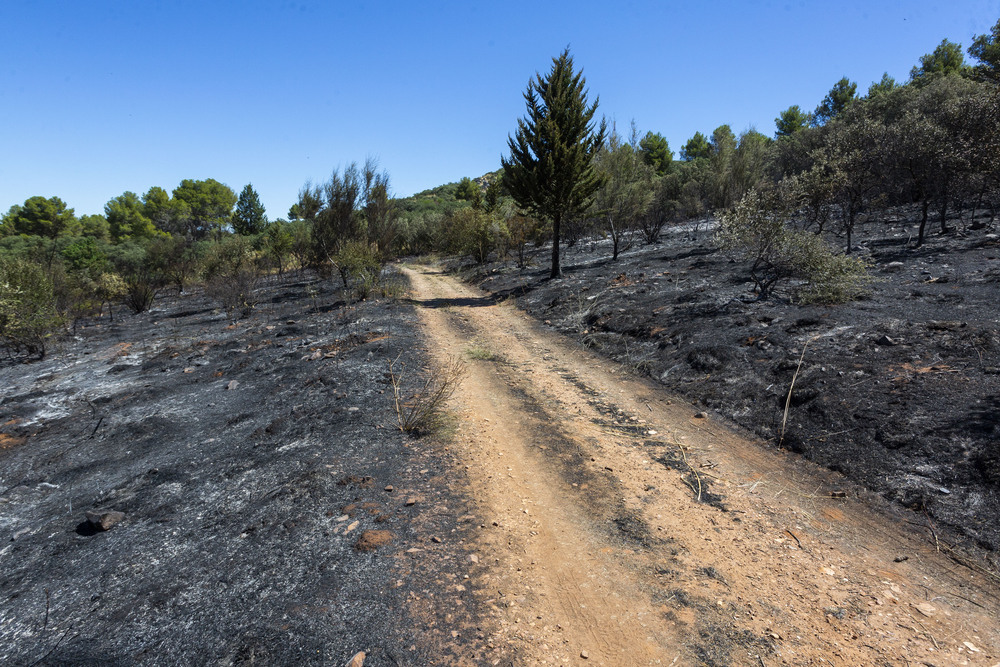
(101,97)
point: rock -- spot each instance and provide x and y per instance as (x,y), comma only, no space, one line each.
(473,558)
(701,415)
(885,340)
(354,524)
(584,655)
(389,488)
(370,540)
(104,519)
(358,660)
(837,612)
(436,539)
(892,267)
(233,384)
(926,608)
(411,501)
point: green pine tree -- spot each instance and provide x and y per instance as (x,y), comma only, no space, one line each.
(248,218)
(550,170)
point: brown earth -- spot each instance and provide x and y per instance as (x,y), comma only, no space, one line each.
(620,526)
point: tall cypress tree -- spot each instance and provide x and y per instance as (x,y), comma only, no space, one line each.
(550,171)
(248,218)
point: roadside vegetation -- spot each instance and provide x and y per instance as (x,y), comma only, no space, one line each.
(789,206)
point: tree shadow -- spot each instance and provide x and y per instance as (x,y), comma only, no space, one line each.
(982,421)
(468,302)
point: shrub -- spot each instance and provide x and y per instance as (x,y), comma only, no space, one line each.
(477,234)
(232,275)
(28,315)
(110,288)
(140,290)
(423,410)
(830,277)
(756,230)
(357,259)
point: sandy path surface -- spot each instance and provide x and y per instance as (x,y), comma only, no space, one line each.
(620,528)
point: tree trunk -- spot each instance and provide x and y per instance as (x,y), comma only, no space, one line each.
(556,269)
(923,222)
(975,207)
(615,238)
(850,230)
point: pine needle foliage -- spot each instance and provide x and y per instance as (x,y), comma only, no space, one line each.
(550,170)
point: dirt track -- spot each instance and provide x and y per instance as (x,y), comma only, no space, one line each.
(620,528)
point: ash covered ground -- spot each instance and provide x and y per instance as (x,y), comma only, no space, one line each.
(899,391)
(249,459)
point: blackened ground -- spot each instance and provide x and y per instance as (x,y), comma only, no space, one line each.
(249,459)
(898,391)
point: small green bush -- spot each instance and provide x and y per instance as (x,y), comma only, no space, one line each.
(756,230)
(28,315)
(358,260)
(830,277)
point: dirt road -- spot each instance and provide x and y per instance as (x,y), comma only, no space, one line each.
(622,528)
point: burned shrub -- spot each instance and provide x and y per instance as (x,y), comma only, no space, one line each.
(708,359)
(232,276)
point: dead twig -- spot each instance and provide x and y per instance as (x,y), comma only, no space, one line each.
(926,631)
(690,468)
(788,399)
(53,649)
(795,537)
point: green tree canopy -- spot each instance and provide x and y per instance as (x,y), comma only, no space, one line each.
(946,59)
(208,205)
(886,85)
(126,218)
(550,170)
(696,147)
(248,218)
(655,152)
(7,221)
(165,213)
(95,226)
(309,205)
(467,189)
(39,216)
(84,255)
(790,121)
(986,49)
(840,96)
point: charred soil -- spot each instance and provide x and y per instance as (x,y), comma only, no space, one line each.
(273,512)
